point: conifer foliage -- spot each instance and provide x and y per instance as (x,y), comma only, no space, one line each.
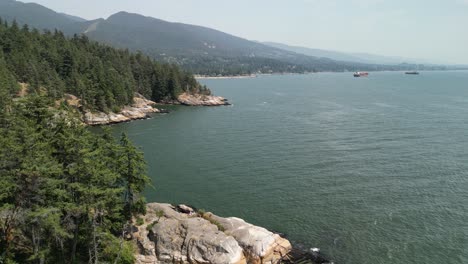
(104,78)
(66,195)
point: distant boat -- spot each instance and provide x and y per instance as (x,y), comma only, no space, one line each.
(412,72)
(361,74)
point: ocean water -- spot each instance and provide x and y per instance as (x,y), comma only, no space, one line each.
(370,170)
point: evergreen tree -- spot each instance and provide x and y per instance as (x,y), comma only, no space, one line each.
(66,195)
(8,85)
(133,172)
(103,77)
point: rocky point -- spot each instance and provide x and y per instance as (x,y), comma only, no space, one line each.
(172,234)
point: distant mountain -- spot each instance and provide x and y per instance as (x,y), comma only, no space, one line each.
(373,58)
(198,49)
(34,15)
(74,18)
(154,35)
(335,55)
(343,56)
(157,37)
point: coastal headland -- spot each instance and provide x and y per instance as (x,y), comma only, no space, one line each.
(141,108)
(181,234)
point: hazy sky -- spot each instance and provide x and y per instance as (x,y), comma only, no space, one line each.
(431,29)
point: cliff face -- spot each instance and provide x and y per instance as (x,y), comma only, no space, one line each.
(179,235)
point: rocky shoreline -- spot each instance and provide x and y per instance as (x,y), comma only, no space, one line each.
(197,100)
(202,100)
(179,234)
(141,108)
(169,234)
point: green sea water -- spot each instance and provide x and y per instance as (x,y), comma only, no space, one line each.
(370,170)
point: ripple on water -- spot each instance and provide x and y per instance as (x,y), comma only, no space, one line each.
(370,171)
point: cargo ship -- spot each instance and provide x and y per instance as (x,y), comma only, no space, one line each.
(361,74)
(412,72)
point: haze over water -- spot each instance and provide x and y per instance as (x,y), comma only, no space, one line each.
(371,170)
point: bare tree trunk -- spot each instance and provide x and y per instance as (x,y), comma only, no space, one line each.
(8,233)
(95,243)
(35,241)
(75,241)
(121,243)
(90,254)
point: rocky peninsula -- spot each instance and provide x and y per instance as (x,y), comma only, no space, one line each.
(197,100)
(201,100)
(178,234)
(140,109)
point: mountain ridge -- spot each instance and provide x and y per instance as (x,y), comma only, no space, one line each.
(197,49)
(75,18)
(361,57)
(34,15)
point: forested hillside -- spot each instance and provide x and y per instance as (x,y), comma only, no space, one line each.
(66,195)
(104,78)
(202,50)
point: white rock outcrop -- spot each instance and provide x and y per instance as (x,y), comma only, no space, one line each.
(201,100)
(260,245)
(138,110)
(168,236)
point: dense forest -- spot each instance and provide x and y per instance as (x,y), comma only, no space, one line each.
(66,195)
(104,78)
